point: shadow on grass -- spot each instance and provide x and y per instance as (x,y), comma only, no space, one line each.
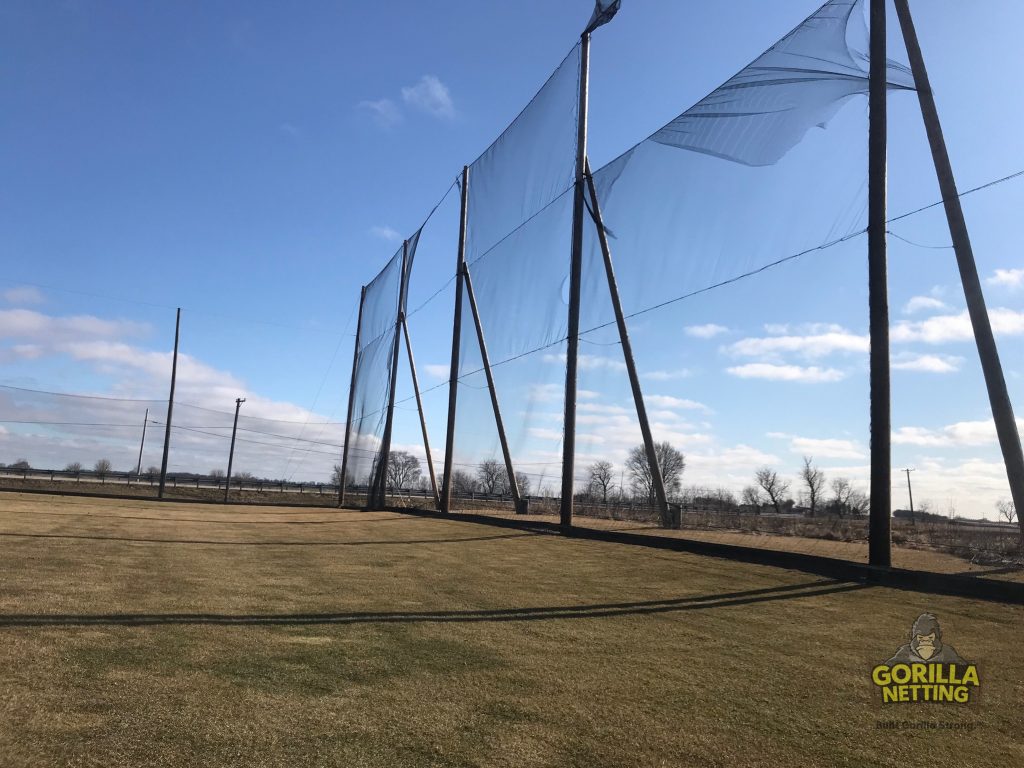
(223,521)
(226,542)
(595,611)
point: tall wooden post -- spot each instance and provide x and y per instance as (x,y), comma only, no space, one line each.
(381,484)
(231,451)
(453,376)
(142,445)
(170,408)
(575,276)
(513,484)
(998,396)
(343,480)
(879,536)
(419,407)
(627,352)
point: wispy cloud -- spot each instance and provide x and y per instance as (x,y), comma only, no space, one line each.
(811,345)
(384,112)
(431,96)
(589,362)
(23,294)
(708,331)
(928,363)
(811,374)
(962,433)
(822,448)
(944,328)
(437,370)
(386,233)
(681,373)
(923,304)
(1007,278)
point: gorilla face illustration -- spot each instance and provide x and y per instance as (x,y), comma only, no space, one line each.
(926,636)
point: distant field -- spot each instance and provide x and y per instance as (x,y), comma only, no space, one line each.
(137,633)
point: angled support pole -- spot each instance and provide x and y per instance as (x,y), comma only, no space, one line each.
(575,277)
(419,407)
(453,376)
(627,352)
(343,480)
(998,396)
(381,480)
(880,522)
(170,409)
(512,483)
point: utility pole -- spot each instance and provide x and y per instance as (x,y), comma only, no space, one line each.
(170,409)
(231,452)
(880,523)
(145,420)
(911,494)
(351,402)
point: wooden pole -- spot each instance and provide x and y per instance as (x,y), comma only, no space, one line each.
(419,407)
(627,352)
(231,451)
(998,396)
(170,408)
(142,445)
(343,480)
(453,376)
(382,463)
(575,276)
(880,523)
(502,438)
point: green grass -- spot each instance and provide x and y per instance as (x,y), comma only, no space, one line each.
(136,633)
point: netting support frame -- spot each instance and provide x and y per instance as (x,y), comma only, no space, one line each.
(575,278)
(657,479)
(880,521)
(453,376)
(142,444)
(343,479)
(419,407)
(170,408)
(992,369)
(513,484)
(378,495)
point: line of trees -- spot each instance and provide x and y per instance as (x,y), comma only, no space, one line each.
(769,488)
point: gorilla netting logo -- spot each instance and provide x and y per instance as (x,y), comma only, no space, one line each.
(926,669)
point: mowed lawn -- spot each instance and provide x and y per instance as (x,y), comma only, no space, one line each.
(146,634)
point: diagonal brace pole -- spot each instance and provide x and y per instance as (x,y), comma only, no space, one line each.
(657,480)
(419,407)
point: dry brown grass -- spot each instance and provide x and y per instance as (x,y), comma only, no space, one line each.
(144,634)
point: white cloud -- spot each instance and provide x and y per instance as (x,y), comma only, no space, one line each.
(928,363)
(811,374)
(923,304)
(822,448)
(962,433)
(386,233)
(431,96)
(813,345)
(588,362)
(383,111)
(31,325)
(682,373)
(708,331)
(437,370)
(667,401)
(945,328)
(23,294)
(1009,278)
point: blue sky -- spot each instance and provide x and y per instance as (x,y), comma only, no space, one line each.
(255,164)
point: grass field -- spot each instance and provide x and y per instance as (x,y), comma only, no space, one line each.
(144,634)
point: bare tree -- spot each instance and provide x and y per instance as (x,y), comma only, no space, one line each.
(670,460)
(1007,510)
(814,479)
(752,497)
(102,468)
(601,478)
(153,470)
(215,474)
(492,477)
(73,467)
(20,464)
(774,486)
(403,470)
(463,482)
(523,481)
